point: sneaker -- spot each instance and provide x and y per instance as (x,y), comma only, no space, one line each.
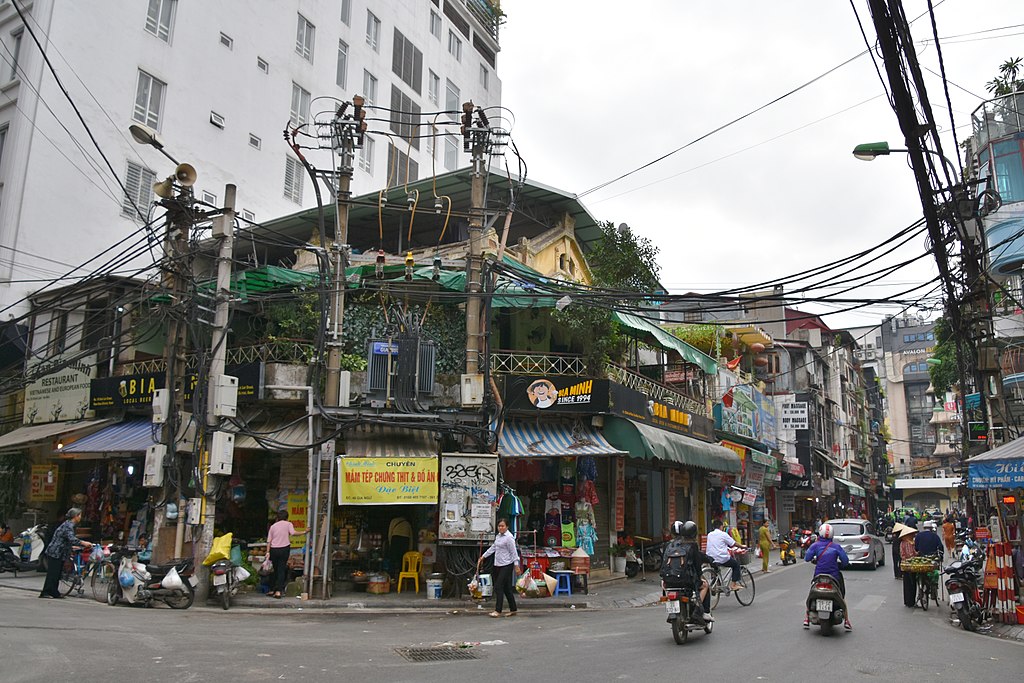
(735,587)
(807,623)
(708,617)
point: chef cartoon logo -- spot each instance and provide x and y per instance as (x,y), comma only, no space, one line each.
(542,393)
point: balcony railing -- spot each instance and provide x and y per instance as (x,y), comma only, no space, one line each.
(525,363)
(657,391)
(998,118)
(293,351)
(486,13)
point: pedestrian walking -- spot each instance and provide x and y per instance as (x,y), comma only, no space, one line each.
(506,564)
(279,545)
(949,533)
(59,551)
(908,551)
(764,543)
(895,538)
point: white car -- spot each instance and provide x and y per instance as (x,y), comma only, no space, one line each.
(862,546)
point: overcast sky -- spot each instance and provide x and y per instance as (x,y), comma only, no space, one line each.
(598,88)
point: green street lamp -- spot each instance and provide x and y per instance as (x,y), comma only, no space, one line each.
(869,150)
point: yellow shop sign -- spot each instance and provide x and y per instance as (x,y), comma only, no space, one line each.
(387,481)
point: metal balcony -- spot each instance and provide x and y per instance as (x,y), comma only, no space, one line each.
(527,363)
(657,391)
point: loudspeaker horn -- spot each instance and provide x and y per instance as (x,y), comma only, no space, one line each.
(185,174)
(165,188)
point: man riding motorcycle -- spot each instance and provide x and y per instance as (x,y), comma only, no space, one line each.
(684,546)
(830,559)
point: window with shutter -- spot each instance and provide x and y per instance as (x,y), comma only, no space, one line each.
(451,100)
(293,180)
(401,167)
(407,61)
(405,117)
(160,18)
(138,181)
(304,36)
(342,77)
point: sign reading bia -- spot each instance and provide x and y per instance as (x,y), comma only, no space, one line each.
(137,390)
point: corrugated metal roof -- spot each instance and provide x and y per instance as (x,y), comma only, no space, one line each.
(125,437)
(275,435)
(552,439)
(390,442)
(45,432)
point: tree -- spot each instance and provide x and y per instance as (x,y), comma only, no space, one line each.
(619,261)
(1007,82)
(945,374)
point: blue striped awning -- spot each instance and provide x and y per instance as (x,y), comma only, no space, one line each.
(134,436)
(551,439)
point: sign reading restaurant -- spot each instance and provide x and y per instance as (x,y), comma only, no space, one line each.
(61,394)
(137,390)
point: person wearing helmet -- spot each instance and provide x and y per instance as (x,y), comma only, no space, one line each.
(928,542)
(830,558)
(681,565)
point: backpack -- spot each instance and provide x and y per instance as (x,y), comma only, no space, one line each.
(674,566)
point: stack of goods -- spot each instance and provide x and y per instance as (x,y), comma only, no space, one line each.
(919,565)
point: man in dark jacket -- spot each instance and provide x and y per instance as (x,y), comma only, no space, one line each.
(910,520)
(681,566)
(928,542)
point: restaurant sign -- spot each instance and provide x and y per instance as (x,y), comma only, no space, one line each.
(556,394)
(61,393)
(387,481)
(137,390)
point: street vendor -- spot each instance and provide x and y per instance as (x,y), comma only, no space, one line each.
(928,541)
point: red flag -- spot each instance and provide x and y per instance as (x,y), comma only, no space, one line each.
(727,399)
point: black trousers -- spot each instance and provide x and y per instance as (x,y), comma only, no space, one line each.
(896,561)
(279,556)
(733,564)
(909,589)
(504,588)
(54,567)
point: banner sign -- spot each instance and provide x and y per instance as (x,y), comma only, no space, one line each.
(750,496)
(298,513)
(43,485)
(672,486)
(137,390)
(59,395)
(556,394)
(620,493)
(794,416)
(640,407)
(387,481)
(1006,474)
(469,491)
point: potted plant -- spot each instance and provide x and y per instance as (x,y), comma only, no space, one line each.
(618,552)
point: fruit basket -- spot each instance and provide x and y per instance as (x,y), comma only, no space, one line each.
(919,565)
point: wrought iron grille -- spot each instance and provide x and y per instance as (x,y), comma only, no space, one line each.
(519,363)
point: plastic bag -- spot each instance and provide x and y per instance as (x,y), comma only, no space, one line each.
(526,584)
(757,551)
(173,580)
(221,550)
(97,553)
(267,567)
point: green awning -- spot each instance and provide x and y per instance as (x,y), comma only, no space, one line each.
(644,441)
(854,489)
(659,337)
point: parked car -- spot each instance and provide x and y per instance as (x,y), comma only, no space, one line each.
(857,536)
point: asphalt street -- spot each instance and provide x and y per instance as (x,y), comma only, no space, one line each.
(80,639)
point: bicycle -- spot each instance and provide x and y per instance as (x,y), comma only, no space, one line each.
(103,573)
(717,585)
(927,588)
(72,576)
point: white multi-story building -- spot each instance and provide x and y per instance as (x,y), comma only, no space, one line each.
(219,81)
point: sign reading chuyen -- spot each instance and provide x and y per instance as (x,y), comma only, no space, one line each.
(387,481)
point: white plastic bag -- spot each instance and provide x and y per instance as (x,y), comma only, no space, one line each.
(173,580)
(241,574)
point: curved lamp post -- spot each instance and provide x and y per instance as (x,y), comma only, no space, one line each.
(868,151)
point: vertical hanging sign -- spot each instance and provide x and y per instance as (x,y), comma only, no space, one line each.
(672,496)
(620,493)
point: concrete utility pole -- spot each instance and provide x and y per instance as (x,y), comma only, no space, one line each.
(225,227)
(474,142)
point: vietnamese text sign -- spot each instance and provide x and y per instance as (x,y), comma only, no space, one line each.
(794,415)
(43,486)
(59,395)
(135,390)
(298,506)
(620,493)
(469,489)
(1008,474)
(387,481)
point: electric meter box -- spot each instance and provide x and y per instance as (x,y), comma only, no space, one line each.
(153,474)
(161,406)
(222,451)
(224,394)
(472,390)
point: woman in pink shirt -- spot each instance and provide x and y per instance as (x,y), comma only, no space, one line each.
(279,541)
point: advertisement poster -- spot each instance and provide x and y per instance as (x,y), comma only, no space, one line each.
(556,394)
(620,494)
(43,485)
(387,481)
(640,407)
(297,514)
(137,390)
(469,490)
(60,395)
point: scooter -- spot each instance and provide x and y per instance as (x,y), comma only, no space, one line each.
(964,598)
(807,538)
(825,603)
(24,554)
(136,583)
(787,550)
(225,578)
(647,559)
(683,613)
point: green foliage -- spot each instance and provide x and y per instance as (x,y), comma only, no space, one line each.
(1007,82)
(12,470)
(295,318)
(944,375)
(619,260)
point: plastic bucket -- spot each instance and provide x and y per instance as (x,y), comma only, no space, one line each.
(434,589)
(486,587)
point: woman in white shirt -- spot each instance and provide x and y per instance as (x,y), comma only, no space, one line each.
(506,563)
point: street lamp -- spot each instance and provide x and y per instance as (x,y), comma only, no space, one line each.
(144,135)
(869,150)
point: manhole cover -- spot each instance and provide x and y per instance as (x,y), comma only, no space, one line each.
(436,654)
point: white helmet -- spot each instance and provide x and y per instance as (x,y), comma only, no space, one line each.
(930,525)
(825,531)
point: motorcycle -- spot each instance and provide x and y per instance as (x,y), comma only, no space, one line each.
(807,538)
(26,553)
(964,597)
(682,613)
(136,583)
(825,603)
(787,550)
(966,548)
(651,559)
(225,578)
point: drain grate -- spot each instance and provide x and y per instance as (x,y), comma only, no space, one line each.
(436,654)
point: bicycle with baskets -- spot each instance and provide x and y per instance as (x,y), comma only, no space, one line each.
(718,578)
(925,569)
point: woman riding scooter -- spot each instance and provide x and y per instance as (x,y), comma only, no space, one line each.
(830,558)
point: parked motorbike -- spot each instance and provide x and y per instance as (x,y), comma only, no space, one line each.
(825,603)
(225,578)
(787,549)
(25,554)
(683,612)
(650,555)
(966,548)
(136,583)
(807,538)
(964,596)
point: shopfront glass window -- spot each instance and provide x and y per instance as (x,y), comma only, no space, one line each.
(1009,170)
